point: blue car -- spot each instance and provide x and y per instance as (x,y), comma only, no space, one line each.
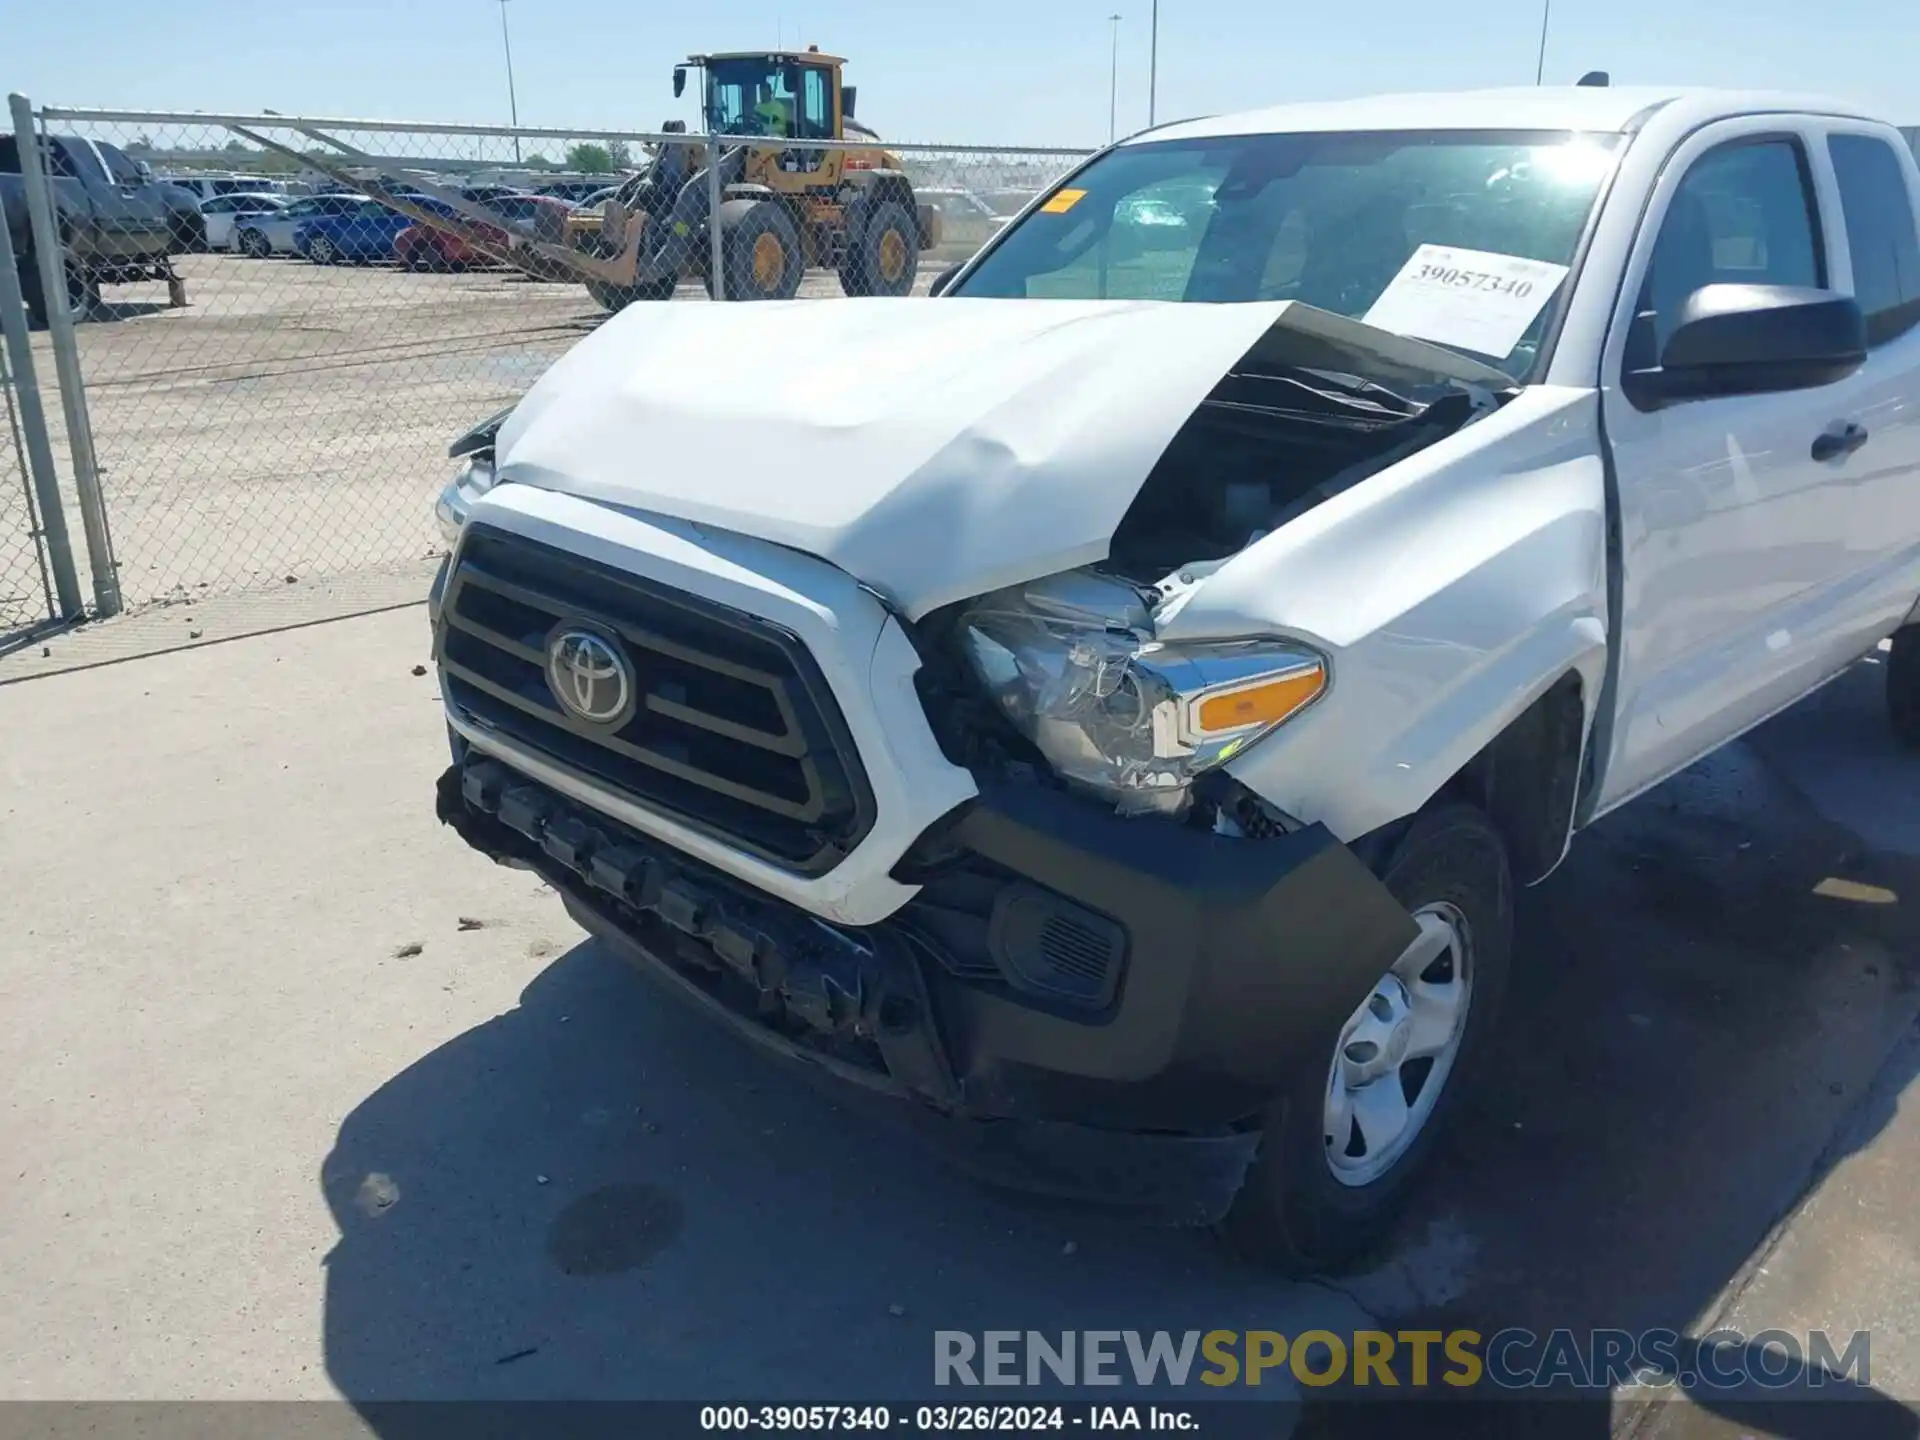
(365,232)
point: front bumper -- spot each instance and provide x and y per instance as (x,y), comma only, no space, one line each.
(1128,1075)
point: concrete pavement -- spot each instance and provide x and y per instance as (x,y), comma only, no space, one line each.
(259,1145)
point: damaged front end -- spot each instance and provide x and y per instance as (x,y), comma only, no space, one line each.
(1074,662)
(1071,1004)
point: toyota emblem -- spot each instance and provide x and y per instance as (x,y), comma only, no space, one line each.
(590,676)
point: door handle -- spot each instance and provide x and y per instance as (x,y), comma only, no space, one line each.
(1831,444)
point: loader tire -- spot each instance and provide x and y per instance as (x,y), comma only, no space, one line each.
(884,258)
(762,250)
(615,298)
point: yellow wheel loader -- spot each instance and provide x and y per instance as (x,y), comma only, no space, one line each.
(785,208)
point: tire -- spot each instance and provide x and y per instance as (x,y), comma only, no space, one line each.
(322,251)
(32,291)
(254,245)
(761,246)
(1296,1213)
(615,298)
(884,257)
(1903,687)
(83,292)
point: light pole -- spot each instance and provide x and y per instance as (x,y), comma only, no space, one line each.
(1540,65)
(513,104)
(1153,66)
(1113,84)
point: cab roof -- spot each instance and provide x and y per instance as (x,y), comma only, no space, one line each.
(1536,107)
(808,56)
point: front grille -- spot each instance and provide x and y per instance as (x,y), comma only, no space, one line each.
(733,730)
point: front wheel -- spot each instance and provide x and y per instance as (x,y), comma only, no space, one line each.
(761,246)
(1340,1152)
(884,258)
(254,245)
(1903,687)
(321,251)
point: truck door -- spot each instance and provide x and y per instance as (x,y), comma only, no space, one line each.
(1738,559)
(1875,183)
(129,209)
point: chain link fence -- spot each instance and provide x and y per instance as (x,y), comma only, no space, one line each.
(338,299)
(26,587)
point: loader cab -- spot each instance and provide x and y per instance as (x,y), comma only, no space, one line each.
(776,95)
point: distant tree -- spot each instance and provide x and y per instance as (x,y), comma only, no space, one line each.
(618,153)
(537,161)
(234,147)
(590,159)
(141,144)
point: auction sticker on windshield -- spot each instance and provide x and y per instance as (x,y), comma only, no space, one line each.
(1471,299)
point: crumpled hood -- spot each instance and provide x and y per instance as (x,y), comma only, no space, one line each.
(932,449)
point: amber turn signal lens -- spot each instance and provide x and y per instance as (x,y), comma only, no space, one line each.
(1265,702)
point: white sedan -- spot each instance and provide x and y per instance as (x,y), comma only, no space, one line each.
(224,212)
(271,233)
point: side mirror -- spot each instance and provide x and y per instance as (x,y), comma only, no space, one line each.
(1754,339)
(847,96)
(945,278)
(679,81)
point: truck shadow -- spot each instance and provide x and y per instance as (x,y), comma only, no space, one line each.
(596,1196)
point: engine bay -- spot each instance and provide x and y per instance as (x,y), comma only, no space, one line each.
(1298,420)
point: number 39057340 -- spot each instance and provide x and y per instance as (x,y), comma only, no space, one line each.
(1459,279)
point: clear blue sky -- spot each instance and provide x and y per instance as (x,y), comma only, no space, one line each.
(987,71)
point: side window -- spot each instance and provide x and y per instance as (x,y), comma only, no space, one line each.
(59,161)
(119,166)
(1743,214)
(9,155)
(816,105)
(1880,233)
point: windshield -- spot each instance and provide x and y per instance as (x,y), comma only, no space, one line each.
(769,95)
(1461,238)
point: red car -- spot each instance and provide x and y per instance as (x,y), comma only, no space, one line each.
(427,247)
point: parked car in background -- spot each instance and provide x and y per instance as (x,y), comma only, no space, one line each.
(487,194)
(114,220)
(271,233)
(209,187)
(224,213)
(597,198)
(366,232)
(571,191)
(184,221)
(967,221)
(428,247)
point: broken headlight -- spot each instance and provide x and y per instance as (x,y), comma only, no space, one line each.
(1073,662)
(475,479)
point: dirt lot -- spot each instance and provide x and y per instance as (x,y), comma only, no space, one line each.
(293,419)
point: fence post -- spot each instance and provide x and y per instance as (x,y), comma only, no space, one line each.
(716,248)
(66,355)
(33,421)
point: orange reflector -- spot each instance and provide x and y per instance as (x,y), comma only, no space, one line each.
(1266,703)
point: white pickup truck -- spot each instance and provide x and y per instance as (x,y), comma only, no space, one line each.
(1113,728)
